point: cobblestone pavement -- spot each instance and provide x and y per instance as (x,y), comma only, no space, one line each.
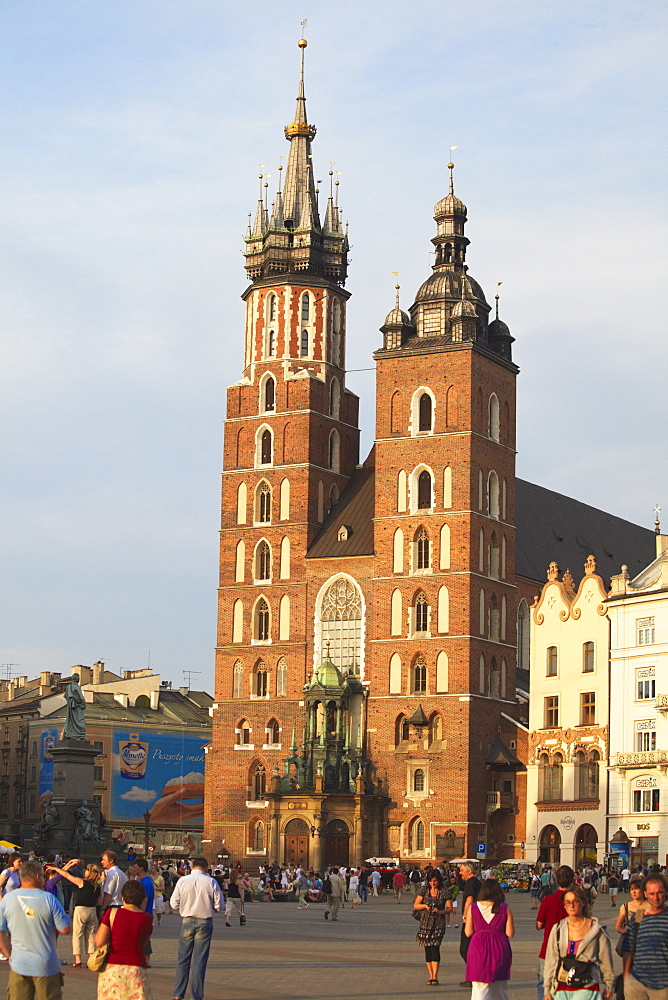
(283,952)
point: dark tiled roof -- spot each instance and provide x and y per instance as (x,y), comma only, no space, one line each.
(355,509)
(551,526)
(175,710)
(501,754)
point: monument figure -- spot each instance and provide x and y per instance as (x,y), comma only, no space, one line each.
(49,819)
(75,720)
(85,828)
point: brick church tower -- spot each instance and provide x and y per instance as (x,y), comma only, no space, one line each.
(365,665)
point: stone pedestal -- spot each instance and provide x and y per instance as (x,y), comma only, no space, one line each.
(73,762)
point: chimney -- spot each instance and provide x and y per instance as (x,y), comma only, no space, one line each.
(98,672)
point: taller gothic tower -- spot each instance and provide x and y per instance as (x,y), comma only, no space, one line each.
(291,445)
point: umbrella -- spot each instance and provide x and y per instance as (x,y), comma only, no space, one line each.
(8,845)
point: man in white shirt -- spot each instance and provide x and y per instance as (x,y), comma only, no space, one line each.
(196,897)
(114,880)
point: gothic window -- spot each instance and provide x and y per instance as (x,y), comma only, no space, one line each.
(273,732)
(418,780)
(422,550)
(306,308)
(244,734)
(259,787)
(265,447)
(258,836)
(494,556)
(334,398)
(281,678)
(334,451)
(263,503)
(272,309)
(341,625)
(260,680)
(421,613)
(419,685)
(395,412)
(493,424)
(269,395)
(263,562)
(401,730)
(262,620)
(242,493)
(493,495)
(238,680)
(333,497)
(417,836)
(424,498)
(395,674)
(523,629)
(304,344)
(588,658)
(435,729)
(425,412)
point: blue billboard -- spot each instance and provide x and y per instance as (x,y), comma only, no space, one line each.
(47,741)
(158,771)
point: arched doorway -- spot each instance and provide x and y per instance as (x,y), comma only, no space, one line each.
(585,846)
(296,838)
(336,843)
(550,845)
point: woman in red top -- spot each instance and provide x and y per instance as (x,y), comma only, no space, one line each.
(127,928)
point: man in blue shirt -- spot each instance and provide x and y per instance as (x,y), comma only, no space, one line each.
(646,965)
(140,871)
(33,918)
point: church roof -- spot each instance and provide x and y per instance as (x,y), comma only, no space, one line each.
(355,512)
(500,754)
(551,526)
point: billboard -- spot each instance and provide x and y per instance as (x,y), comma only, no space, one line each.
(158,771)
(47,740)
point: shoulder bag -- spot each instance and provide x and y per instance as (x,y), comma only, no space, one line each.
(573,972)
(97,960)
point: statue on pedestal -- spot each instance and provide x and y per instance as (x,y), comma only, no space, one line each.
(50,818)
(86,827)
(75,720)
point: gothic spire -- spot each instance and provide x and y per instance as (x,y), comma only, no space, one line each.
(291,238)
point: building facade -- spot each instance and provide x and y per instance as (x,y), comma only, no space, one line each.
(568,721)
(638,610)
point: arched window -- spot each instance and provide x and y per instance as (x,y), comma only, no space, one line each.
(550,845)
(258,836)
(419,685)
(304,344)
(422,550)
(273,732)
(425,412)
(587,774)
(551,777)
(271,312)
(341,625)
(444,548)
(260,680)
(401,730)
(586,846)
(259,787)
(242,493)
(494,556)
(244,733)
(435,729)
(266,447)
(334,398)
(395,674)
(588,658)
(482,675)
(334,451)
(281,678)
(447,487)
(493,423)
(417,836)
(263,561)
(395,412)
(240,562)
(421,609)
(262,620)
(424,490)
(396,615)
(418,780)
(523,629)
(285,500)
(306,307)
(269,395)
(333,498)
(493,495)
(263,503)
(442,671)
(401,491)
(238,621)
(238,680)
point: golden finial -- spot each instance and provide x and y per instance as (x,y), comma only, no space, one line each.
(498,285)
(451,167)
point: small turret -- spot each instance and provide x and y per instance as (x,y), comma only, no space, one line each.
(499,336)
(397,327)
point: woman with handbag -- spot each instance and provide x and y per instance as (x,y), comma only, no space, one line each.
(126,930)
(430,906)
(235,898)
(578,961)
(86,898)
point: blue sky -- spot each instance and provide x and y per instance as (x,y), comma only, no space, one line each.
(133,135)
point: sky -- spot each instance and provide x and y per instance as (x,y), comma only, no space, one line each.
(133,134)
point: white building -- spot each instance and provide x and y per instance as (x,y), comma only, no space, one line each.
(568,717)
(638,611)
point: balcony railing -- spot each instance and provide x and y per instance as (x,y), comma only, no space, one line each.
(641,758)
(499,800)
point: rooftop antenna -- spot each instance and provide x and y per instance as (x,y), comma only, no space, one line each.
(8,669)
(188,674)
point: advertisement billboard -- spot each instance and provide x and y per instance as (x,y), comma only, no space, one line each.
(47,740)
(158,771)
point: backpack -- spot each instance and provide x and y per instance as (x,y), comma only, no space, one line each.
(416,876)
(327,886)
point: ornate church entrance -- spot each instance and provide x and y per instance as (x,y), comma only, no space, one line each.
(296,843)
(336,843)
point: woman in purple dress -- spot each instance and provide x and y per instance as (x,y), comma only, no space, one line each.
(490,925)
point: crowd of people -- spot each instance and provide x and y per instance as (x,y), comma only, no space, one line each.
(110,916)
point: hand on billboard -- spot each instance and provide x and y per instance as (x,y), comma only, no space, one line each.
(169,808)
